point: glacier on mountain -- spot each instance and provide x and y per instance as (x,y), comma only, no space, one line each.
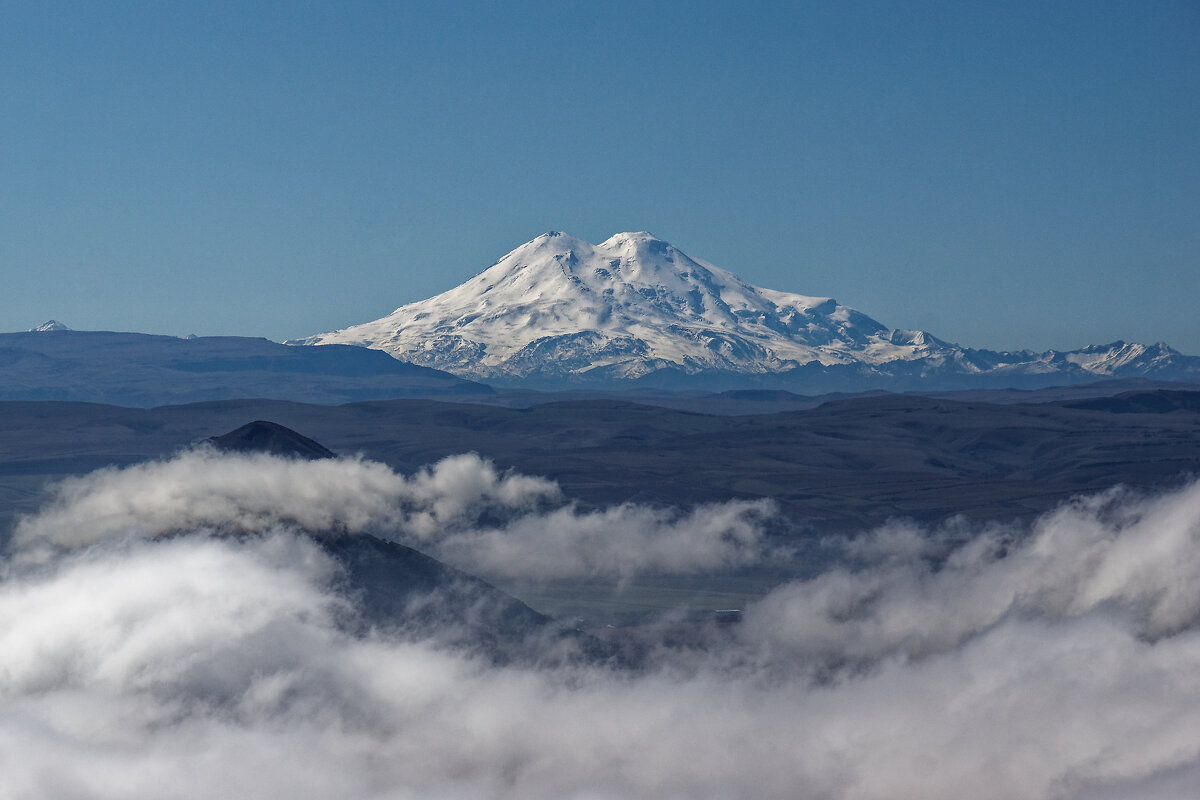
(561,310)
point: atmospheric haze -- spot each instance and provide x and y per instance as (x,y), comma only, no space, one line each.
(175,630)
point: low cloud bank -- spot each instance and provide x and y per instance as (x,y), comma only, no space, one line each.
(619,541)
(499,524)
(1114,553)
(1058,664)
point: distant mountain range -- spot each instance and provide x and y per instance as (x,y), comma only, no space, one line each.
(846,466)
(636,311)
(137,369)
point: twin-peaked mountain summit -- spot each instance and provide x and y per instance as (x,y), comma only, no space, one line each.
(636,310)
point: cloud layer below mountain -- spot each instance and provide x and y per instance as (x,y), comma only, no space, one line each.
(1056,662)
(503,525)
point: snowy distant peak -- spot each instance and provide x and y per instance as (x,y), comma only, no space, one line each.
(628,306)
(631,239)
(1108,359)
(560,308)
(641,262)
(635,276)
(49,325)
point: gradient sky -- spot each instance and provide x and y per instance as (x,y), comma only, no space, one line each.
(1004,175)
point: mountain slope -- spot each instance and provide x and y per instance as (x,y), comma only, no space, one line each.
(263,436)
(635,307)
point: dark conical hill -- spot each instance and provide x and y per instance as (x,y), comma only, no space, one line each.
(262,436)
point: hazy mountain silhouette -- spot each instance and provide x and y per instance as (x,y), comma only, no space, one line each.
(136,369)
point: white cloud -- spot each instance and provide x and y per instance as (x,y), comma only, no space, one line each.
(203,488)
(439,508)
(1141,555)
(614,542)
(201,667)
(1059,665)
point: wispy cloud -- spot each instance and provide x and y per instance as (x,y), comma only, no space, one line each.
(500,524)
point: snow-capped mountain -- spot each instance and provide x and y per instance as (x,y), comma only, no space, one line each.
(559,309)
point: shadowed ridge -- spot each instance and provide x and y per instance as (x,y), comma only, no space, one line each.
(1158,401)
(144,370)
(262,436)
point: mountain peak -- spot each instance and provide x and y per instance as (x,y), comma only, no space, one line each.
(262,436)
(630,305)
(558,308)
(548,242)
(618,239)
(49,325)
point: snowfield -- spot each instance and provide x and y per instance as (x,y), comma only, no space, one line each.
(560,307)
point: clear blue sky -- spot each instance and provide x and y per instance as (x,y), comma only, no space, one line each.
(1002,174)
